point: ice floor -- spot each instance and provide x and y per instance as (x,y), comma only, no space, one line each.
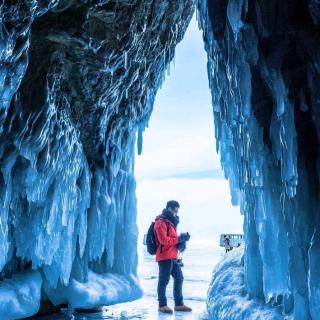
(199,261)
(145,308)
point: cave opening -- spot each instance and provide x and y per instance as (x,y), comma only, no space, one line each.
(179,156)
(179,161)
(79,79)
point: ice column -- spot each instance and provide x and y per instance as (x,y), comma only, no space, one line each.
(262,69)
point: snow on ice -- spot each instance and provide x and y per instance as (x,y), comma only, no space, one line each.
(227,295)
(20,296)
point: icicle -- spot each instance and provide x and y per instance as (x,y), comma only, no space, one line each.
(140,140)
(126,60)
(70,312)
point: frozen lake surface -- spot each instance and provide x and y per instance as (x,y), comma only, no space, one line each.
(199,261)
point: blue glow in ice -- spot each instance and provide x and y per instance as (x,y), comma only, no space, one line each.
(77,82)
(267,127)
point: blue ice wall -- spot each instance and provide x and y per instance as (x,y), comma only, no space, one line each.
(263,69)
(77,80)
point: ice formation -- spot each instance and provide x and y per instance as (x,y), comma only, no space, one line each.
(263,70)
(77,84)
(20,295)
(77,81)
(97,290)
(227,297)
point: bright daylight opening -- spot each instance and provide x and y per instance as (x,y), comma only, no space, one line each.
(179,162)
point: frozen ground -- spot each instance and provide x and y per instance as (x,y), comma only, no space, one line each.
(199,259)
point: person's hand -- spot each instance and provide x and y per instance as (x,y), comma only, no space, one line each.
(182,246)
(181,238)
(184,237)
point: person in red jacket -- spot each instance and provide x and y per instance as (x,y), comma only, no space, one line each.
(166,256)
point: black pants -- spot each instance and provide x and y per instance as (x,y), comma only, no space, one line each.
(167,268)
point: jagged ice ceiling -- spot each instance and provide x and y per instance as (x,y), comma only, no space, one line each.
(78,80)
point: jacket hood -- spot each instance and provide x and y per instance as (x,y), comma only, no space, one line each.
(166,215)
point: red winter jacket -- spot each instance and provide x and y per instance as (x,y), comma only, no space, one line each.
(167,238)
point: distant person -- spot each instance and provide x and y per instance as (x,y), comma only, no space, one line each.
(168,245)
(226,242)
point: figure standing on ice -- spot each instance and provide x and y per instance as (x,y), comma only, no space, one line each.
(168,244)
(226,242)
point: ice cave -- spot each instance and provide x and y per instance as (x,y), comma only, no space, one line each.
(78,80)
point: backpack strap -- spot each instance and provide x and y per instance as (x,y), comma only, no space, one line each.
(168,226)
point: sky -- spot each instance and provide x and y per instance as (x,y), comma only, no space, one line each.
(180,137)
(179,159)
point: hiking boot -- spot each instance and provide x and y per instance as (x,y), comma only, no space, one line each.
(182,308)
(165,309)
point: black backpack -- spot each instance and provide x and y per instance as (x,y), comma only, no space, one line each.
(150,239)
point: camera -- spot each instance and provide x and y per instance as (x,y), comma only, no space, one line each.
(180,263)
(183,238)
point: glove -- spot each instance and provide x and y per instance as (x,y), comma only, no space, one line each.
(184,237)
(182,246)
